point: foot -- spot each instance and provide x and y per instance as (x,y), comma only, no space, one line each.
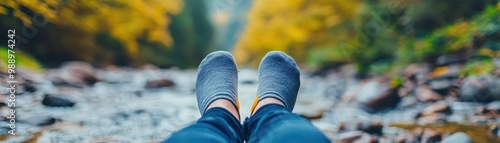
(217,80)
(279,78)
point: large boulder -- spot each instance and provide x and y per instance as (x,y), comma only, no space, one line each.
(375,96)
(74,74)
(480,88)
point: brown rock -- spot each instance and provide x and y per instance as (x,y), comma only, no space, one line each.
(159,83)
(356,137)
(75,74)
(424,93)
(435,108)
(370,127)
(376,96)
(430,135)
(406,138)
(435,118)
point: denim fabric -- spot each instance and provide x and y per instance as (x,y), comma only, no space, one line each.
(217,79)
(273,123)
(217,125)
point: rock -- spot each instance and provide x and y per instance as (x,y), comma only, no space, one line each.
(73,74)
(493,106)
(458,137)
(483,119)
(441,85)
(159,83)
(370,127)
(355,137)
(349,136)
(53,101)
(39,120)
(436,118)
(29,86)
(425,94)
(495,129)
(408,101)
(376,96)
(406,138)
(435,108)
(480,88)
(488,113)
(429,135)
(448,59)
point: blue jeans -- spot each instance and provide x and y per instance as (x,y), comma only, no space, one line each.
(271,123)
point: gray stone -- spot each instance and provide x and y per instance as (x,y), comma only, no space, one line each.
(480,88)
(458,137)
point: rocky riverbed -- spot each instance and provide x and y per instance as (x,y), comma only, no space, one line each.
(78,103)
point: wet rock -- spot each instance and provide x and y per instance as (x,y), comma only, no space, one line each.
(55,101)
(493,106)
(437,118)
(406,138)
(459,137)
(39,120)
(29,86)
(495,129)
(448,59)
(73,74)
(483,119)
(376,96)
(429,135)
(159,83)
(483,114)
(2,104)
(407,102)
(481,88)
(367,126)
(440,107)
(355,137)
(441,85)
(425,94)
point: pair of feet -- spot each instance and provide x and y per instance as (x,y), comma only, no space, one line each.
(217,81)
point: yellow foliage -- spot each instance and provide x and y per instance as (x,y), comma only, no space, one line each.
(291,26)
(125,20)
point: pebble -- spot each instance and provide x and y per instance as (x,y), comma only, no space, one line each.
(375,96)
(355,137)
(440,107)
(458,137)
(73,74)
(159,83)
(425,94)
(55,101)
(367,126)
(39,120)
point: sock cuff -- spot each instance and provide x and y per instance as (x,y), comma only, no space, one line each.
(212,98)
(276,95)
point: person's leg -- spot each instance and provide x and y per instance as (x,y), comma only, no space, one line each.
(272,120)
(216,86)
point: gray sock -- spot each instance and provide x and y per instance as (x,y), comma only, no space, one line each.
(279,77)
(217,79)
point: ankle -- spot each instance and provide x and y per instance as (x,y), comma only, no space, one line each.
(226,104)
(264,102)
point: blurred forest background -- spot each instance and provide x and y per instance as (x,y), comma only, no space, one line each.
(379,36)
